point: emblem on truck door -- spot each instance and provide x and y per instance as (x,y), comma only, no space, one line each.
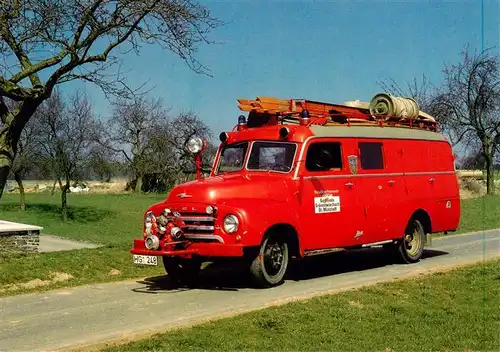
(353,163)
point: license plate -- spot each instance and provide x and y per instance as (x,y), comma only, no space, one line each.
(145,259)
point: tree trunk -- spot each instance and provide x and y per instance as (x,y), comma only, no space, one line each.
(6,158)
(4,173)
(138,184)
(10,133)
(490,182)
(22,196)
(64,201)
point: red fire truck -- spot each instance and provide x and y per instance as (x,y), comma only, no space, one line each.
(297,178)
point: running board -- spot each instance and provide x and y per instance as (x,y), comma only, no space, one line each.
(377,243)
(428,242)
(322,251)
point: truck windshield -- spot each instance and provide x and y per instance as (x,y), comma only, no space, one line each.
(271,156)
(232,157)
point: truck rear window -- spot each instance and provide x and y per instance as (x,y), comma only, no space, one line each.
(371,156)
(271,156)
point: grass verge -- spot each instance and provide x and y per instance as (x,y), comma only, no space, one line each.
(113,221)
(480,214)
(457,310)
(110,220)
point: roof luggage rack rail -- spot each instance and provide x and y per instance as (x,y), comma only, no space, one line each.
(384,110)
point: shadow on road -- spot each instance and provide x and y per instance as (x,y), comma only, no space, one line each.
(235,276)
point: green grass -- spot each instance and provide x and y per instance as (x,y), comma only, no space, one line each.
(113,221)
(480,214)
(110,220)
(453,311)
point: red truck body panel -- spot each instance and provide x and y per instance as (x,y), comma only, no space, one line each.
(325,176)
(366,205)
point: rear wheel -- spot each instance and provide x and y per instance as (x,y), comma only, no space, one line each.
(269,267)
(411,247)
(182,270)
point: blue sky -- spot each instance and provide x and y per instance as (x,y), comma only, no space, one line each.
(325,50)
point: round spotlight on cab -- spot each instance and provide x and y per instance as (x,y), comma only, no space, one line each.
(223,137)
(284,132)
(152,242)
(195,145)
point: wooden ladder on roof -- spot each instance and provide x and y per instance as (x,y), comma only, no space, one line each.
(329,114)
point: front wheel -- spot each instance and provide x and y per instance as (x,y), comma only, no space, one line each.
(182,270)
(269,267)
(411,247)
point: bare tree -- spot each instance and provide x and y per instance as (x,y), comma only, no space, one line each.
(66,136)
(101,163)
(468,106)
(151,143)
(78,40)
(26,159)
(167,154)
(181,129)
(132,125)
(419,90)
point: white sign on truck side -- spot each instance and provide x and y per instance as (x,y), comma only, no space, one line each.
(326,204)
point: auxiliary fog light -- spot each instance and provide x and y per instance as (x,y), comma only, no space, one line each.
(231,223)
(176,232)
(210,210)
(152,242)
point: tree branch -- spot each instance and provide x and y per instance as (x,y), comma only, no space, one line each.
(18,51)
(39,66)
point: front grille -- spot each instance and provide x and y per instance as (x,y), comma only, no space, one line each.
(199,227)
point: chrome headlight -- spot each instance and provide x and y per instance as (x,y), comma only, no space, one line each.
(231,223)
(194,145)
(152,242)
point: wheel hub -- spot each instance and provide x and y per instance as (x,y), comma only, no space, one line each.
(274,256)
(412,241)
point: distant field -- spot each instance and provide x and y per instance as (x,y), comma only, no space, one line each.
(30,186)
(114,220)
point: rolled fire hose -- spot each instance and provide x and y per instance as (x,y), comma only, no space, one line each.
(388,105)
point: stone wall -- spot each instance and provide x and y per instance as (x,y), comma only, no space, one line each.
(19,241)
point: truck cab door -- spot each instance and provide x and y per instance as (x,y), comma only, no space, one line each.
(329,212)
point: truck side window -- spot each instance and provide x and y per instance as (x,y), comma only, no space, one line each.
(371,156)
(324,156)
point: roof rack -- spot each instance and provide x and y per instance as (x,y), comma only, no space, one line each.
(384,110)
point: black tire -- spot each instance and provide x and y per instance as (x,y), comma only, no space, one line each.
(182,270)
(269,267)
(411,247)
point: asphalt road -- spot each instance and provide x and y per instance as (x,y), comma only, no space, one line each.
(87,315)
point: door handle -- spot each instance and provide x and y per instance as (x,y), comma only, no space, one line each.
(391,182)
(431,180)
(349,184)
